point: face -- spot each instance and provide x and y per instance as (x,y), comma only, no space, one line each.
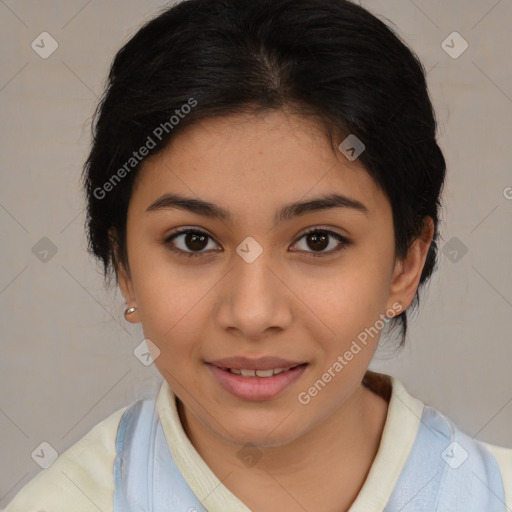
(252,276)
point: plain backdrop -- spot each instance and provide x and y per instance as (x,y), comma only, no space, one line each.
(67,357)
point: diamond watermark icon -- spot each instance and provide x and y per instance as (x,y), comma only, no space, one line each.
(454,45)
(352,147)
(45,455)
(44,45)
(454,455)
(44,250)
(249,249)
(454,249)
(249,455)
(146,352)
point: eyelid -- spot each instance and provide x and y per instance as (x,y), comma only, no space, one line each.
(325,229)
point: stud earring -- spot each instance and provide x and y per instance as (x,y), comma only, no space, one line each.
(129,311)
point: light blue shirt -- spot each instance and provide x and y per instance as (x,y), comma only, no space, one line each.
(446,471)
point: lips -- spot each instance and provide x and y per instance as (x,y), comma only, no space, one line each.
(255,387)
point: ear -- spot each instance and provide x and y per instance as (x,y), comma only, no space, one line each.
(123,277)
(407,272)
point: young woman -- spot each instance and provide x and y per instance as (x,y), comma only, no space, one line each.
(264,184)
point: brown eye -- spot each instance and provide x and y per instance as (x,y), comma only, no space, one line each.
(195,241)
(189,242)
(319,239)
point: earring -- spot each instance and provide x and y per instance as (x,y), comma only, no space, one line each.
(129,311)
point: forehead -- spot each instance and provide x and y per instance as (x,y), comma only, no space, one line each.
(256,162)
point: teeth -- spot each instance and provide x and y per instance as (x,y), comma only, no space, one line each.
(264,373)
(259,373)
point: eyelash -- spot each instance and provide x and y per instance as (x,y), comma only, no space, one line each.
(344,242)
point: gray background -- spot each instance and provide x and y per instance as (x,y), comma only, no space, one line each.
(67,353)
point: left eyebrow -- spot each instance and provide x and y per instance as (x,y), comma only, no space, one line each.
(287,212)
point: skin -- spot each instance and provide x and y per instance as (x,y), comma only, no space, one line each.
(285,303)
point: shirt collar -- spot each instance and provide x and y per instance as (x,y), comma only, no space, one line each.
(400,430)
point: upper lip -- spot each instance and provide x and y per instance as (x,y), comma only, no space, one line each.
(260,363)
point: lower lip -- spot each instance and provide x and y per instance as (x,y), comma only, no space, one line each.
(256,388)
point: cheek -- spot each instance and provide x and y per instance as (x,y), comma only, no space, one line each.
(349,305)
(170,298)
(353,297)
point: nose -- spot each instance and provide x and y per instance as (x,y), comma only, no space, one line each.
(254,298)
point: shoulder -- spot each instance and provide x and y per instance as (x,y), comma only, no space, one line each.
(445,466)
(480,471)
(80,479)
(503,457)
